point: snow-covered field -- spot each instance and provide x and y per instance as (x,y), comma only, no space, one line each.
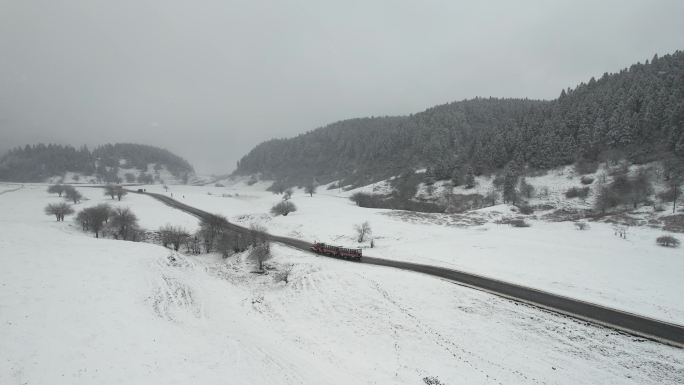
(79,310)
(632,274)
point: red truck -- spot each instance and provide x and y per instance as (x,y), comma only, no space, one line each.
(336,251)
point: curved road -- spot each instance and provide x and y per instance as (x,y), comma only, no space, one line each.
(635,324)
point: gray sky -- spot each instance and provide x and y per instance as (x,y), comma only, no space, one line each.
(209,79)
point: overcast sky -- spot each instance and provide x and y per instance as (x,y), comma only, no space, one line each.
(209,79)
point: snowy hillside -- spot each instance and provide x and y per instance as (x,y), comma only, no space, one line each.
(79,310)
(159,174)
(633,274)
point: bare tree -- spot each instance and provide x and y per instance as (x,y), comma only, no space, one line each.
(260,254)
(72,195)
(59,210)
(283,208)
(363,230)
(260,249)
(120,192)
(94,218)
(56,189)
(310,189)
(581,225)
(109,190)
(192,244)
(210,229)
(228,243)
(123,222)
(277,187)
(257,234)
(173,235)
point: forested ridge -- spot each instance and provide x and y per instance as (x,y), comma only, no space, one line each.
(34,163)
(638,112)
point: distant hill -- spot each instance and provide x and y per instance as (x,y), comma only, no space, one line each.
(105,163)
(637,112)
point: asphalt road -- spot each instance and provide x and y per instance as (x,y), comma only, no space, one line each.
(634,324)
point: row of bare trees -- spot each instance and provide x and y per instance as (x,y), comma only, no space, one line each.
(115,191)
(214,235)
(68,191)
(118,222)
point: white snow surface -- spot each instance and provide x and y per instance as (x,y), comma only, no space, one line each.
(632,274)
(80,310)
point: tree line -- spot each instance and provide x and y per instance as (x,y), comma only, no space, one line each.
(637,112)
(38,162)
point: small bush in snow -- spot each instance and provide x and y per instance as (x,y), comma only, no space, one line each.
(283,208)
(587,180)
(526,210)
(581,225)
(667,241)
(577,192)
(283,275)
(432,381)
(518,223)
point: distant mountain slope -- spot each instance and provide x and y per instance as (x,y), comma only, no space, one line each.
(38,162)
(638,111)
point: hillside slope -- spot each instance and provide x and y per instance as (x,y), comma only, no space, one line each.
(39,162)
(638,111)
(100,311)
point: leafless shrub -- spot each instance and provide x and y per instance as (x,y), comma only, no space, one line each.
(667,241)
(72,195)
(123,223)
(260,254)
(363,230)
(94,218)
(283,208)
(518,223)
(432,381)
(581,225)
(620,231)
(173,235)
(257,235)
(56,189)
(310,189)
(210,228)
(577,192)
(283,275)
(59,210)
